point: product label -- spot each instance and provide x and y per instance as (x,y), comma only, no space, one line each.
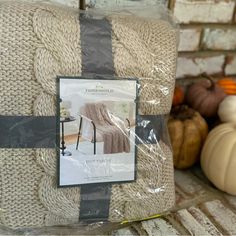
(97,120)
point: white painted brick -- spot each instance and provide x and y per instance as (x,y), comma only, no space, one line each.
(204,221)
(222,215)
(219,39)
(211,11)
(101,3)
(189,39)
(123,232)
(190,223)
(230,68)
(231,199)
(159,227)
(71,3)
(197,66)
(112,3)
(188,184)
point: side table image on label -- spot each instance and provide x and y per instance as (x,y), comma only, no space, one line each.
(65,152)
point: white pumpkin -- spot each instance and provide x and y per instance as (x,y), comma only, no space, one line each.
(218,157)
(227,109)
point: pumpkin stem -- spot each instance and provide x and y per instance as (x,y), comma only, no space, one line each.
(182,112)
(209,78)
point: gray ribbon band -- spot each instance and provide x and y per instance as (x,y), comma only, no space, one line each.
(95,202)
(27,132)
(97,58)
(96,47)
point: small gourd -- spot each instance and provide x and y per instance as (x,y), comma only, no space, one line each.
(227,109)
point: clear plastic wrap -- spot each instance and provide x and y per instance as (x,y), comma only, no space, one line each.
(60,68)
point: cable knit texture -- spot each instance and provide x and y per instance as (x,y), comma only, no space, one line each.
(39,42)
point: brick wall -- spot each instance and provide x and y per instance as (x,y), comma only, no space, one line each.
(207,38)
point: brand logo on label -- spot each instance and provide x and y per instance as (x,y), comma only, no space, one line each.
(99,89)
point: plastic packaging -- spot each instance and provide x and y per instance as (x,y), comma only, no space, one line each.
(114,69)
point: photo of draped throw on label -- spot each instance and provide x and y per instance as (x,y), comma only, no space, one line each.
(112,130)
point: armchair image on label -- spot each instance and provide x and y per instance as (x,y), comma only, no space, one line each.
(106,127)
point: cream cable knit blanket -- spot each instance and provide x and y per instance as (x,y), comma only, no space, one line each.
(39,42)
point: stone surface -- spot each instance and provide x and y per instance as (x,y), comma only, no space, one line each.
(189,39)
(211,11)
(189,66)
(230,68)
(219,39)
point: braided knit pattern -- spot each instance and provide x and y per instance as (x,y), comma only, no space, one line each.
(149,49)
(39,42)
(153,190)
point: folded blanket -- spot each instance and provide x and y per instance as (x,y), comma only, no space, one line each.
(39,42)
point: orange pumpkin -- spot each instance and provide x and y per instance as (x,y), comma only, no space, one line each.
(228,84)
(178,97)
